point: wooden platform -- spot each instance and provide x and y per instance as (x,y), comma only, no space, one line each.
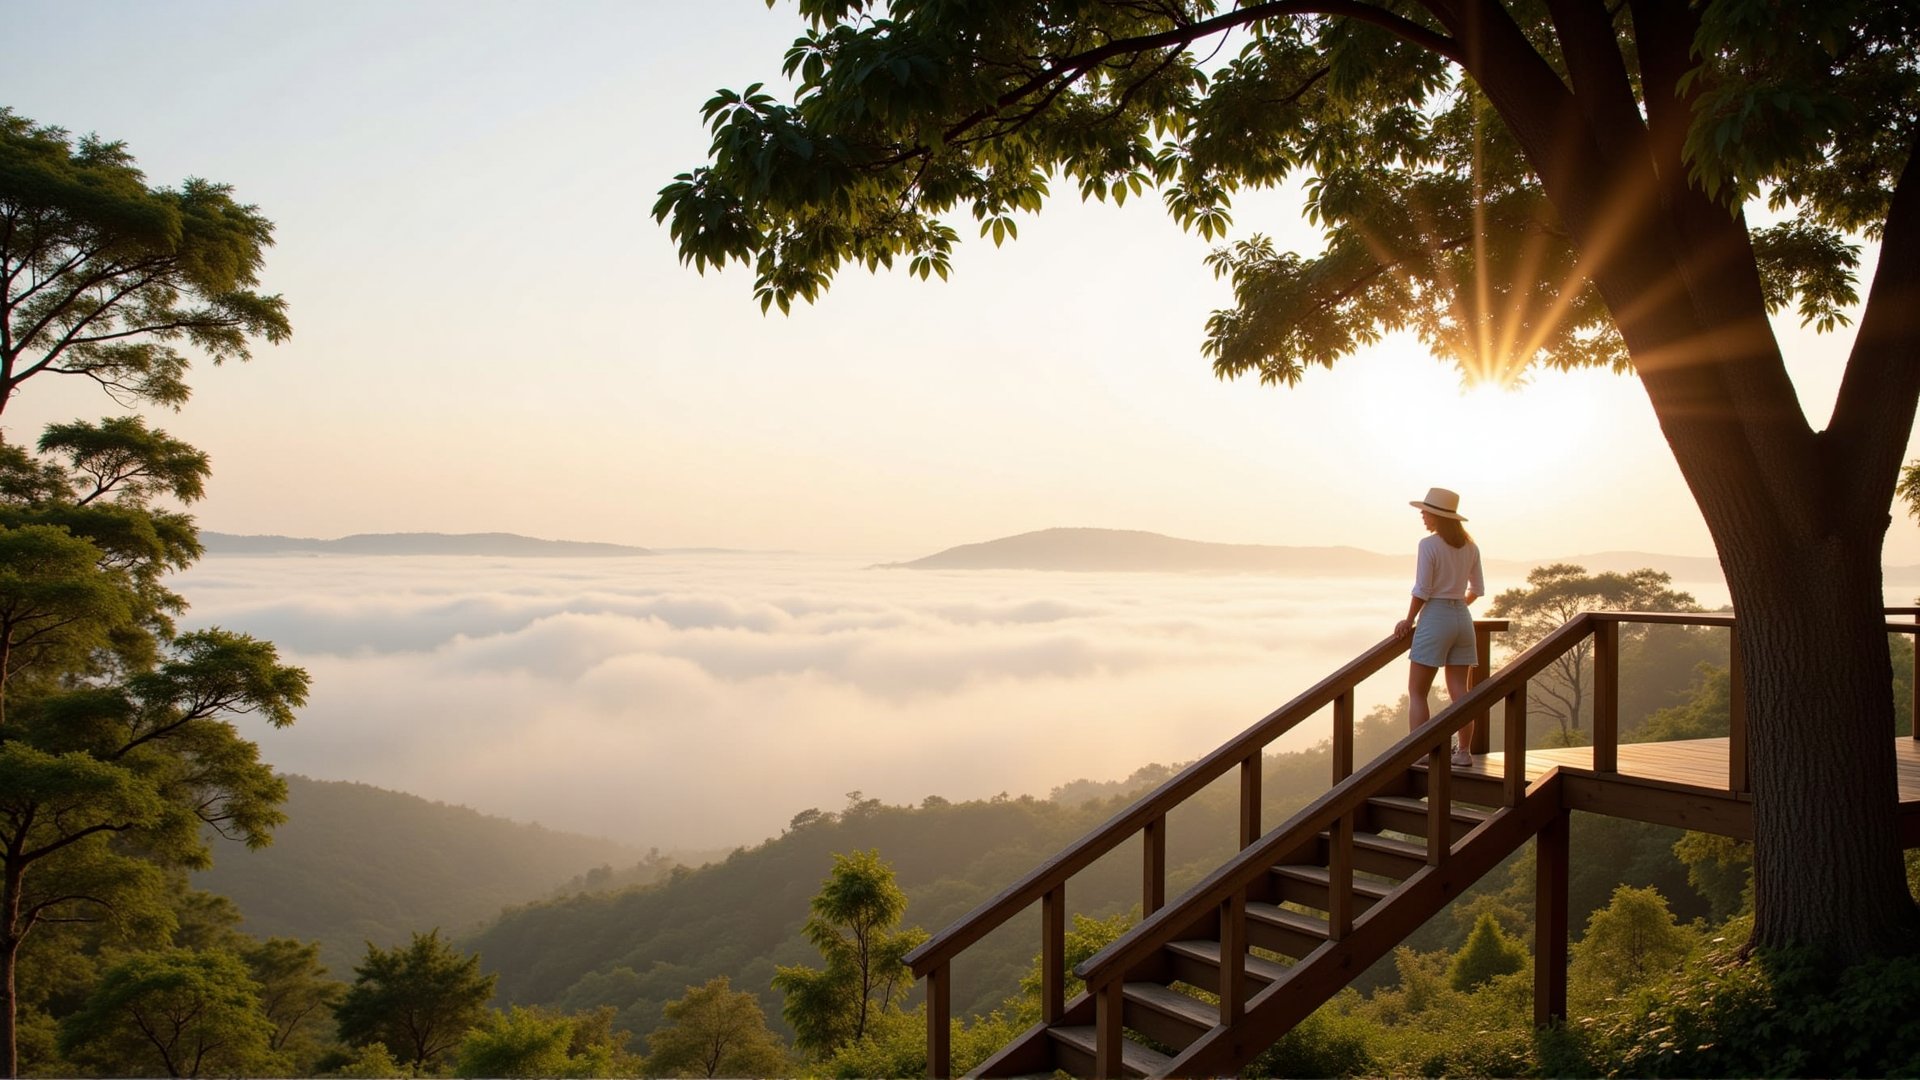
(1682,783)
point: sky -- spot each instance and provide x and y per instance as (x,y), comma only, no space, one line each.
(491,334)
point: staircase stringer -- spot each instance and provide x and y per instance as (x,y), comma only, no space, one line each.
(1275,1010)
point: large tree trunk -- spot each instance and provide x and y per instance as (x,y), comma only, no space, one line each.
(1797,516)
(1818,683)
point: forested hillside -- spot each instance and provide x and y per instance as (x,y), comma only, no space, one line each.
(355,863)
(636,949)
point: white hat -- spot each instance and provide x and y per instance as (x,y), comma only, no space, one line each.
(1440,503)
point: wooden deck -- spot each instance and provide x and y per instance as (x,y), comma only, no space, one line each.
(1681,783)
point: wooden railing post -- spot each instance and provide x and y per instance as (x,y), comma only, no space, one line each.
(1915,713)
(1514,742)
(1340,878)
(1550,922)
(1250,799)
(1153,866)
(1737,778)
(1606,696)
(1439,805)
(939,1022)
(1233,957)
(1053,954)
(1109,1007)
(1343,734)
(1483,723)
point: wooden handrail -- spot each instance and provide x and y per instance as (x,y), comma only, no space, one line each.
(1326,812)
(1219,887)
(1084,852)
(1222,893)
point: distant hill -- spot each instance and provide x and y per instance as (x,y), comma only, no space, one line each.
(356,863)
(1131,550)
(496,544)
(1122,550)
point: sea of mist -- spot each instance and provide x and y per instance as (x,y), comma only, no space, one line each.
(701,700)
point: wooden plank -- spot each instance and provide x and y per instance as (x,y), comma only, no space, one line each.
(1053,954)
(1606,696)
(1343,736)
(1153,866)
(939,1022)
(1250,799)
(1661,804)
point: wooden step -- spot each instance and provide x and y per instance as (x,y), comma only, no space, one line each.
(1166,1015)
(1387,856)
(1309,885)
(1477,785)
(1291,933)
(1406,814)
(1197,963)
(1074,1048)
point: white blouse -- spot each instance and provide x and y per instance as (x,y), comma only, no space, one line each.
(1445,572)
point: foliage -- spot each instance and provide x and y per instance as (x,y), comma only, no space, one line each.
(1488,954)
(1720,868)
(418,999)
(1629,944)
(1775,1013)
(533,1042)
(296,997)
(715,1031)
(1555,594)
(186,1013)
(105,276)
(119,758)
(852,925)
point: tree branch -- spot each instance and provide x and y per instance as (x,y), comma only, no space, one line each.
(1071,68)
(1873,414)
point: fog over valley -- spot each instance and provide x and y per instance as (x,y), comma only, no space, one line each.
(688,701)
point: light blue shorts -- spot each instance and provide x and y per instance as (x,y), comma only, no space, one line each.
(1444,635)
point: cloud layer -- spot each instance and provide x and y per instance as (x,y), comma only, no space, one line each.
(703,700)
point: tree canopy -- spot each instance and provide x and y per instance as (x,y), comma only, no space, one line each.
(419,999)
(104,275)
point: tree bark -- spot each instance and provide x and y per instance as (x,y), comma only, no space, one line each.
(1820,719)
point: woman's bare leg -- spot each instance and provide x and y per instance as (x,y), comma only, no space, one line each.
(1419,685)
(1457,676)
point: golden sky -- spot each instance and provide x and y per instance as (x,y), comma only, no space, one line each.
(492,334)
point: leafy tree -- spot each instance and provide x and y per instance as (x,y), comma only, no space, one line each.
(1518,184)
(1629,944)
(296,996)
(1557,593)
(116,741)
(534,1042)
(852,925)
(418,999)
(1488,954)
(103,275)
(188,1013)
(715,1031)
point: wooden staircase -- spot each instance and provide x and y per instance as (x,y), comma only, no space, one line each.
(1207,981)
(1295,918)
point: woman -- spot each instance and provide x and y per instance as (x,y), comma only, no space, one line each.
(1446,580)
